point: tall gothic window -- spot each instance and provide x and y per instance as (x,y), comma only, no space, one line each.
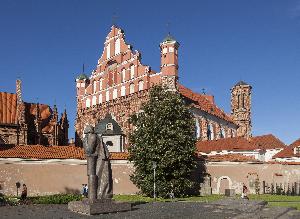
(108,51)
(115,93)
(141,85)
(101,84)
(117,46)
(131,88)
(94,100)
(131,71)
(100,98)
(238,99)
(198,129)
(210,132)
(123,91)
(222,133)
(95,86)
(88,102)
(107,96)
(243,100)
(123,74)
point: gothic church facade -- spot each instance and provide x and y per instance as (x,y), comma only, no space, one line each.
(120,84)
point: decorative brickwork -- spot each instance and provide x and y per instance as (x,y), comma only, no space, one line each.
(241,108)
(120,84)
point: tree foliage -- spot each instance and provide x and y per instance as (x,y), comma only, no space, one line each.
(164,133)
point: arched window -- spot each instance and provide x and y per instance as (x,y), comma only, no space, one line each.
(198,129)
(95,86)
(108,51)
(100,98)
(94,100)
(243,100)
(115,93)
(117,46)
(131,88)
(210,132)
(131,71)
(123,91)
(141,85)
(123,75)
(107,96)
(88,102)
(101,84)
(238,99)
(222,134)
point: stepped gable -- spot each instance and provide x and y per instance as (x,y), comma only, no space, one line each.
(229,144)
(8,108)
(50,152)
(267,142)
(203,102)
(288,151)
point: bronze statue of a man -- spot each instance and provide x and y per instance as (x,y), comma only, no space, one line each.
(98,166)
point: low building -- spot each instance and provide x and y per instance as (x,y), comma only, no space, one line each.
(289,154)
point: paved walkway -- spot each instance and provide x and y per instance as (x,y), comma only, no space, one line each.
(227,208)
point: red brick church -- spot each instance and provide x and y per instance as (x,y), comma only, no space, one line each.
(120,83)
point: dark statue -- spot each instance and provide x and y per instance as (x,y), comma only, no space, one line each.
(98,166)
(99,179)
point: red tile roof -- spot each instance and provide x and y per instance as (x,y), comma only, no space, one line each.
(229,144)
(8,108)
(231,158)
(50,152)
(267,142)
(288,151)
(204,103)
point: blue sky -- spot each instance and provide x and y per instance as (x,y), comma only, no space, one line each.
(45,42)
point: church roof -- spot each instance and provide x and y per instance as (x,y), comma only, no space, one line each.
(101,127)
(267,142)
(8,108)
(203,103)
(288,151)
(50,152)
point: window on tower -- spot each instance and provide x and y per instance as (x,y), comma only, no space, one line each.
(88,102)
(94,100)
(115,93)
(123,90)
(243,100)
(107,96)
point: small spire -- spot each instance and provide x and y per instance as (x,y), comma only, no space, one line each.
(203,91)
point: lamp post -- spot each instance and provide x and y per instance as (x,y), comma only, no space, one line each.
(154,165)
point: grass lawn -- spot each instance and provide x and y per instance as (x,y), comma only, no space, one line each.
(279,200)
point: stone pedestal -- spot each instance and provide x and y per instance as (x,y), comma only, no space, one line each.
(98,206)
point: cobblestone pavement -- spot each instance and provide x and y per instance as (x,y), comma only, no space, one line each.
(221,209)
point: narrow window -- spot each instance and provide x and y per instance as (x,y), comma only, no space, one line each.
(123,91)
(115,93)
(117,46)
(198,129)
(222,133)
(95,86)
(107,96)
(131,88)
(94,100)
(239,96)
(210,132)
(108,51)
(123,74)
(101,84)
(100,98)
(243,100)
(141,85)
(131,71)
(88,102)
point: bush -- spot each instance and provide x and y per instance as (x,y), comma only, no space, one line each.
(55,199)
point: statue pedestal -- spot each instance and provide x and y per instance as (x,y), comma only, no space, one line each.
(98,206)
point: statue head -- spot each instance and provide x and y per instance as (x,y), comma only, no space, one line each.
(89,129)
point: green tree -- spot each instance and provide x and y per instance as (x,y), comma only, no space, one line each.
(164,133)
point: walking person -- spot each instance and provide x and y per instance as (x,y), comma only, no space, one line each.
(24,192)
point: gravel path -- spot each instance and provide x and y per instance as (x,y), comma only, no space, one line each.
(228,208)
(149,210)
